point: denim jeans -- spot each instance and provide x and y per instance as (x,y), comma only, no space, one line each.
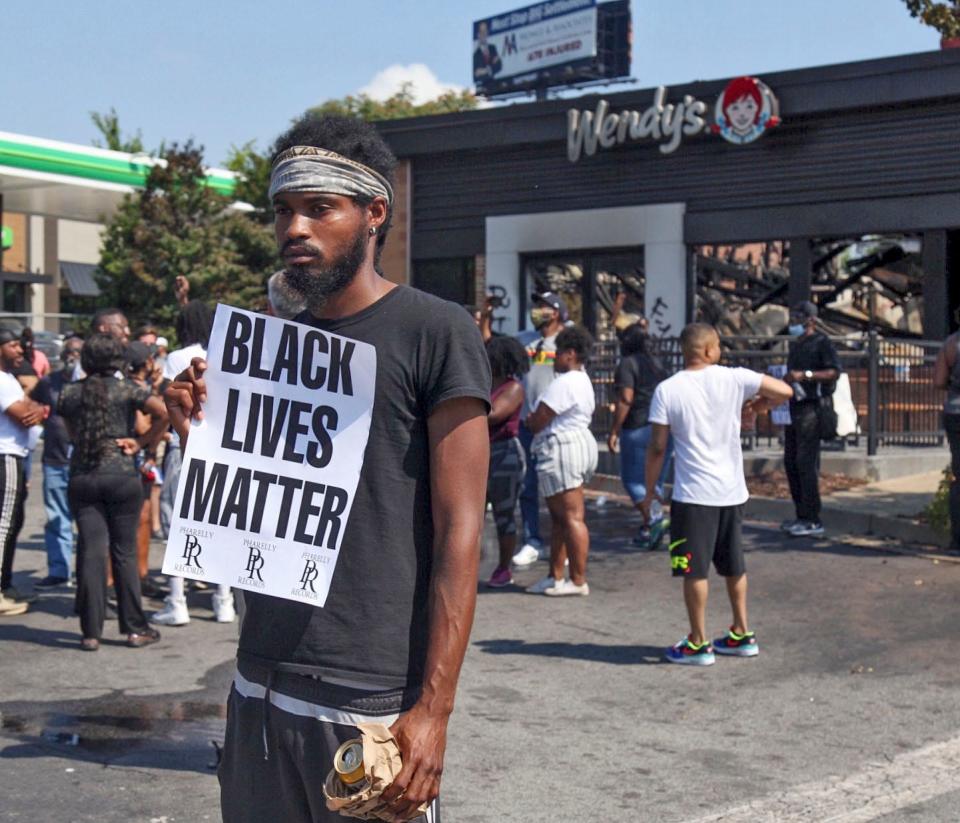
(58,531)
(633,462)
(529,495)
(951,424)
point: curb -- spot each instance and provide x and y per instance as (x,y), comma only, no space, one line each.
(838,519)
(843,520)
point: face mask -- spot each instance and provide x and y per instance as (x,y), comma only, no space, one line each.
(795,330)
(540,316)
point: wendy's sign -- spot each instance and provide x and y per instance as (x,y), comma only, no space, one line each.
(745,110)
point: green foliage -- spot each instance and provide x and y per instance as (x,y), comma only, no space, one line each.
(938,510)
(254,167)
(944,17)
(177,225)
(254,171)
(400,105)
(108,124)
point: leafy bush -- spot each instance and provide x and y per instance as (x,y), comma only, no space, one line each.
(938,510)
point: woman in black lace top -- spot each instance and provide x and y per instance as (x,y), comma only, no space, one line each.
(105,491)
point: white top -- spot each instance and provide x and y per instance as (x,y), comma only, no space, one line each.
(571,396)
(702,409)
(180,359)
(14,438)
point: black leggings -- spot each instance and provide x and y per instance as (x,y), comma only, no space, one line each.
(107,508)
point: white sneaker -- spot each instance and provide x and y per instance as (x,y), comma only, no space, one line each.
(223,609)
(527,556)
(566,588)
(173,613)
(806,529)
(541,585)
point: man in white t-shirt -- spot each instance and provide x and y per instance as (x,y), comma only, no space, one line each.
(565,452)
(19,414)
(701,407)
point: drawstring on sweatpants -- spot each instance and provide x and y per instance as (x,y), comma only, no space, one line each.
(265,719)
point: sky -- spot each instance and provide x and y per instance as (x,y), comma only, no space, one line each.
(225,72)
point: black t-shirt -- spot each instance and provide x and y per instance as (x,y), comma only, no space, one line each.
(124,399)
(373,627)
(642,373)
(814,352)
(56,441)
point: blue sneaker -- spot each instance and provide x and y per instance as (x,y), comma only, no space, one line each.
(642,540)
(737,645)
(687,654)
(658,531)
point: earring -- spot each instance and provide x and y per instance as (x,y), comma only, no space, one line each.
(373,230)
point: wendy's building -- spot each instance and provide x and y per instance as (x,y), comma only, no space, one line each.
(765,190)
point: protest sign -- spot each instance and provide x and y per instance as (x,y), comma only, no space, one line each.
(270,474)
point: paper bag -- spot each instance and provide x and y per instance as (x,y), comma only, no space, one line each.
(381,765)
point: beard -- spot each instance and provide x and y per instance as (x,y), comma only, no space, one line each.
(318,281)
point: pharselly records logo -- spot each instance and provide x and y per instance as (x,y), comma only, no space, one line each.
(744,111)
(192,549)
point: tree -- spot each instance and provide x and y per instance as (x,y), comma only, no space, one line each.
(944,17)
(108,124)
(399,105)
(178,225)
(254,168)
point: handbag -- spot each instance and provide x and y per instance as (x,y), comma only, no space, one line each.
(827,418)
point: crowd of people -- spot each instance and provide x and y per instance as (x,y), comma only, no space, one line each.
(681,430)
(110,460)
(389,642)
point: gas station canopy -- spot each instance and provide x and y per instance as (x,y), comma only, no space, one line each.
(75,182)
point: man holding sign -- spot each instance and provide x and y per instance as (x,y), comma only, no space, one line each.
(338,474)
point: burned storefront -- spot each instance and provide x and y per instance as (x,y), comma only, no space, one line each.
(723,200)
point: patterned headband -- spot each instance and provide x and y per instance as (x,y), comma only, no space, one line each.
(306,168)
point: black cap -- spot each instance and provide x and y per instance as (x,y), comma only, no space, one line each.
(804,309)
(554,301)
(8,336)
(137,354)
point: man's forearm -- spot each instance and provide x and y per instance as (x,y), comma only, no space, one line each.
(654,466)
(451,603)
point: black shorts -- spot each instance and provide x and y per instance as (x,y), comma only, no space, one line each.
(699,534)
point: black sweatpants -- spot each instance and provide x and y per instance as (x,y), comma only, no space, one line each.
(801,457)
(13,496)
(282,734)
(107,507)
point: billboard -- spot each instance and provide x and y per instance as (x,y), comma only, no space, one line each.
(544,44)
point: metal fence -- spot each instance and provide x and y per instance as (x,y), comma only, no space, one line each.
(891,386)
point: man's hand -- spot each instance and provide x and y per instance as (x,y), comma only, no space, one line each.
(128,445)
(794,376)
(758,405)
(647,502)
(422,738)
(185,397)
(613,442)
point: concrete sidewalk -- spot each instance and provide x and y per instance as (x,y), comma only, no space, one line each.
(887,509)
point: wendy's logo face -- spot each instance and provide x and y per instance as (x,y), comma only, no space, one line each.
(745,110)
(742,114)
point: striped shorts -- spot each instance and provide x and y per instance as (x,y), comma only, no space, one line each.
(565,460)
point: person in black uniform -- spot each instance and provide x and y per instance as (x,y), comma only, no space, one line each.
(812,370)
